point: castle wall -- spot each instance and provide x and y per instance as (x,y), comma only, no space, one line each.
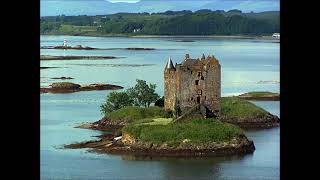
(169,89)
(213,87)
(189,91)
(190,84)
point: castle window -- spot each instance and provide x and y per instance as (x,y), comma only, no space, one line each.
(205,98)
(199,74)
(198,99)
(200,92)
(191,72)
(202,78)
(197,82)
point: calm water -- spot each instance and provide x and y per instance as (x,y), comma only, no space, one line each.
(247,65)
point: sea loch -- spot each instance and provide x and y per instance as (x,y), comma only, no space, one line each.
(247,65)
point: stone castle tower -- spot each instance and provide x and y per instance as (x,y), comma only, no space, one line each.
(193,82)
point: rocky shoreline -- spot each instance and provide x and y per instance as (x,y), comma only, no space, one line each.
(253,123)
(103,125)
(67,87)
(79,47)
(237,146)
(48,57)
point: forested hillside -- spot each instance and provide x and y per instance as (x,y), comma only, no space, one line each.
(202,22)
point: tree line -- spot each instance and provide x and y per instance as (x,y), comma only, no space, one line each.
(201,22)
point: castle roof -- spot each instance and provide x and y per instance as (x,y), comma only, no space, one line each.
(212,60)
(194,62)
(189,62)
(169,64)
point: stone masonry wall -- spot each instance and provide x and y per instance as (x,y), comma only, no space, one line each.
(169,89)
(190,85)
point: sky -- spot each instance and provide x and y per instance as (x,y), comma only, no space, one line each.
(102,7)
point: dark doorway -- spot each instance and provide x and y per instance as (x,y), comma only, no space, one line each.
(197,82)
(198,100)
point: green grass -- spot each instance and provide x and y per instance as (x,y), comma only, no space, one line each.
(197,131)
(236,107)
(159,121)
(260,93)
(76,29)
(131,114)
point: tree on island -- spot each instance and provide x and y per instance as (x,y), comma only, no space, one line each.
(142,94)
(115,101)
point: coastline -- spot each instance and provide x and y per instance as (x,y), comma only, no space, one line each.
(169,36)
(106,144)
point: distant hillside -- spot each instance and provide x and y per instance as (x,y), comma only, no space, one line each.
(201,22)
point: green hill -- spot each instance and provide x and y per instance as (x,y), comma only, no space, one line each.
(167,23)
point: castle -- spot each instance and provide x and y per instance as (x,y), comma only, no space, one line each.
(191,83)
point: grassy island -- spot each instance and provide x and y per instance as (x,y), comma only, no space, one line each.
(153,131)
(197,132)
(236,107)
(260,96)
(245,114)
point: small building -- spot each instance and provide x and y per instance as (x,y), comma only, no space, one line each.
(65,43)
(276,35)
(192,82)
(136,30)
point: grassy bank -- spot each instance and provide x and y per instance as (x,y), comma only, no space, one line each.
(259,94)
(197,131)
(230,107)
(132,114)
(236,107)
(154,125)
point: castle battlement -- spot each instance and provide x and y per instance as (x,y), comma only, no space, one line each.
(193,82)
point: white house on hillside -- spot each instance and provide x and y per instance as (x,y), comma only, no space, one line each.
(276,35)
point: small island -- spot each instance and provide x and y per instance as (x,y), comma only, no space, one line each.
(79,47)
(49,57)
(184,40)
(261,96)
(245,114)
(191,121)
(62,78)
(68,87)
(47,67)
(139,49)
(153,132)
